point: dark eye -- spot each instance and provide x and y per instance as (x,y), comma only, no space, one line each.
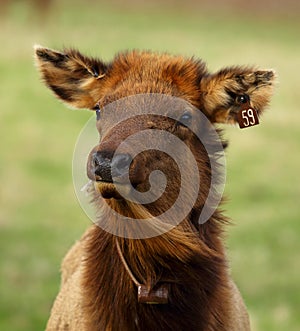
(98,112)
(186,119)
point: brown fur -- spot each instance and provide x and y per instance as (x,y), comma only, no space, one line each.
(97,292)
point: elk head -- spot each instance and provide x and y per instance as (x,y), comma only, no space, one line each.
(159,100)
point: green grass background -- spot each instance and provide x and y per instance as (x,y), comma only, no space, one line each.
(40,217)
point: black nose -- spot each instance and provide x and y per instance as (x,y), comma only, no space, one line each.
(108,166)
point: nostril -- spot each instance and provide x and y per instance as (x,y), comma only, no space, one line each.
(120,164)
(96,160)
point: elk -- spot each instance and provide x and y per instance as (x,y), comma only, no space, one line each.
(178,278)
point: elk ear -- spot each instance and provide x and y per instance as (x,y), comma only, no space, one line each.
(70,75)
(220,92)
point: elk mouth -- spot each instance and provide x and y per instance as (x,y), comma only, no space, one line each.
(108,190)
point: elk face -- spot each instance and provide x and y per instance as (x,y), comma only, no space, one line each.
(149,146)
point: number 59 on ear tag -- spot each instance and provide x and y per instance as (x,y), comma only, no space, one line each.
(247,117)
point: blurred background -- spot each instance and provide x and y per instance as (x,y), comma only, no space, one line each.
(40,217)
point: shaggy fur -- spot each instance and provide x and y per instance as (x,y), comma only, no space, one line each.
(97,292)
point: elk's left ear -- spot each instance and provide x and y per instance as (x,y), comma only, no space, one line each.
(71,76)
(221,92)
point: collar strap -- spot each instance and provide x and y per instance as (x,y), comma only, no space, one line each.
(146,294)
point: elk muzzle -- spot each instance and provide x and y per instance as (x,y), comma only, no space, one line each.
(108,167)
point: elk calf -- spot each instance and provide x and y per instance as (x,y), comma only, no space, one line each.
(177,278)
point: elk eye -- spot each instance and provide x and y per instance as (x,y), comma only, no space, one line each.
(98,112)
(186,119)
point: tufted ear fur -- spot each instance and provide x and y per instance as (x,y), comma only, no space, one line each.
(70,75)
(221,90)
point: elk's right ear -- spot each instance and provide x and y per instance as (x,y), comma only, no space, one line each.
(71,76)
